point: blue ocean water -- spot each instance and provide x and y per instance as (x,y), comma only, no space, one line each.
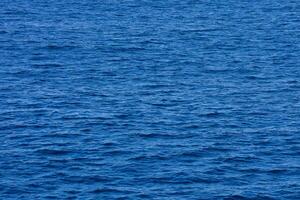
(128,99)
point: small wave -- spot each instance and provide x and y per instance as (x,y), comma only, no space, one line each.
(110,190)
(47,65)
(242,197)
(157,135)
(152,158)
(88,179)
(116,153)
(53,152)
(59,47)
(211,114)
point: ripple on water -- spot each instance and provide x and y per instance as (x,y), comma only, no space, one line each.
(149,100)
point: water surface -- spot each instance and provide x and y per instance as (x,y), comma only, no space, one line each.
(149,99)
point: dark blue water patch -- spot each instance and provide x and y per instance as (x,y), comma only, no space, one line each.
(149,100)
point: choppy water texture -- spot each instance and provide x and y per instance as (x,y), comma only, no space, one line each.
(128,99)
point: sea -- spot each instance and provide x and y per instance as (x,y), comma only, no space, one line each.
(158,100)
